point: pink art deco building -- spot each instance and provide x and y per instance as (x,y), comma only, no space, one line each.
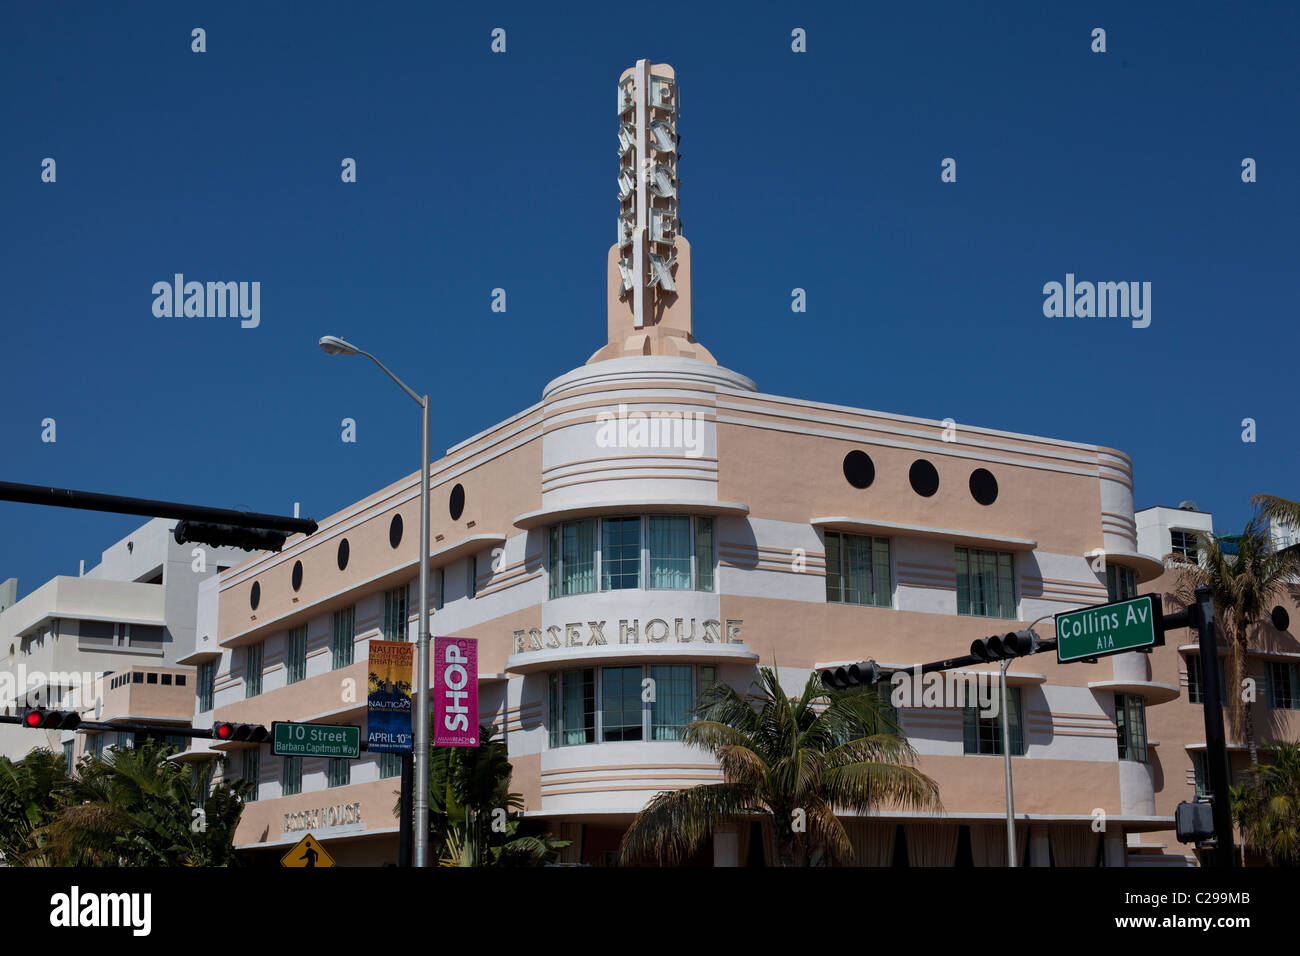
(656,515)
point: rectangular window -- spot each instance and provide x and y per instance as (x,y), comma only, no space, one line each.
(397,613)
(672,702)
(1196,687)
(620,704)
(1283,689)
(983,735)
(857,569)
(340,772)
(296,657)
(95,745)
(472,588)
(1131,727)
(67,756)
(253,669)
(985,583)
(573,558)
(670,552)
(620,553)
(704,553)
(390,765)
(1184,543)
(252,771)
(573,707)
(290,776)
(342,638)
(207,685)
(1201,774)
(1121,582)
(438,584)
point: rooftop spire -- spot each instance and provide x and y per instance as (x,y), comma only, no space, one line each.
(649,268)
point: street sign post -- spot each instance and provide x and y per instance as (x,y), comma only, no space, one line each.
(315,740)
(1106,629)
(307,853)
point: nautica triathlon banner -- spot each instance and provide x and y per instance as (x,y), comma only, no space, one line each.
(455,692)
(388,704)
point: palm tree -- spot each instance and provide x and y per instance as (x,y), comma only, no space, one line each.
(135,807)
(30,794)
(1278,509)
(467,788)
(780,755)
(1243,586)
(1267,809)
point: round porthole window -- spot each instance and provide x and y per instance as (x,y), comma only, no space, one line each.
(456,504)
(344,552)
(296,577)
(255,595)
(859,470)
(924,478)
(1281,619)
(983,486)
(395,531)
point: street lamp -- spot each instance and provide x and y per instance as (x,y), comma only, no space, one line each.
(334,345)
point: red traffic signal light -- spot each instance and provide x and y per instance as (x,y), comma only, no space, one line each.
(253,733)
(38,718)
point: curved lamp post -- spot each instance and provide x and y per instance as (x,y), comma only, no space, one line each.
(334,345)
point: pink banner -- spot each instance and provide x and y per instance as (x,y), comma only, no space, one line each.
(455,692)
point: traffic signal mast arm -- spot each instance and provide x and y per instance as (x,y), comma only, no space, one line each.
(983,650)
(218,527)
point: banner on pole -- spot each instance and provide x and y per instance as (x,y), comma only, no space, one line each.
(388,700)
(455,692)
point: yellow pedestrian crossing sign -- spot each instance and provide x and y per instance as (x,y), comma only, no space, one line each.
(307,852)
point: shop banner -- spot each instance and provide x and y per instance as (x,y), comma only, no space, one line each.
(388,701)
(455,692)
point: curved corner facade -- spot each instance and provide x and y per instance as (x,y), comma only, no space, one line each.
(659,522)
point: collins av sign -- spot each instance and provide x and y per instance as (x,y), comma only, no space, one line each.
(1106,629)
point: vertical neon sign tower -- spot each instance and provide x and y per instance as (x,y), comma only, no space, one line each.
(649,267)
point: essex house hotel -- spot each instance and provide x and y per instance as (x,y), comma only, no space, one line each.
(656,514)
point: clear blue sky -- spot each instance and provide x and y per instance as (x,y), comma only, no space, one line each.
(477,170)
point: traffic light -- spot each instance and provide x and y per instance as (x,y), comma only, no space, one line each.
(1003,646)
(38,718)
(1194,822)
(252,733)
(229,536)
(852,675)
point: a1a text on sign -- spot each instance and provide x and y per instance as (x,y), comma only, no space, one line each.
(315,740)
(455,692)
(1105,629)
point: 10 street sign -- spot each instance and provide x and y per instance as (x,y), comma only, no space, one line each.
(1106,629)
(315,740)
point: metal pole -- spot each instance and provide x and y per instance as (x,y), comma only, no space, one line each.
(420,737)
(1006,764)
(1216,755)
(404,809)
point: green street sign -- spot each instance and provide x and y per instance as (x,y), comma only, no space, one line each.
(1106,629)
(315,740)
